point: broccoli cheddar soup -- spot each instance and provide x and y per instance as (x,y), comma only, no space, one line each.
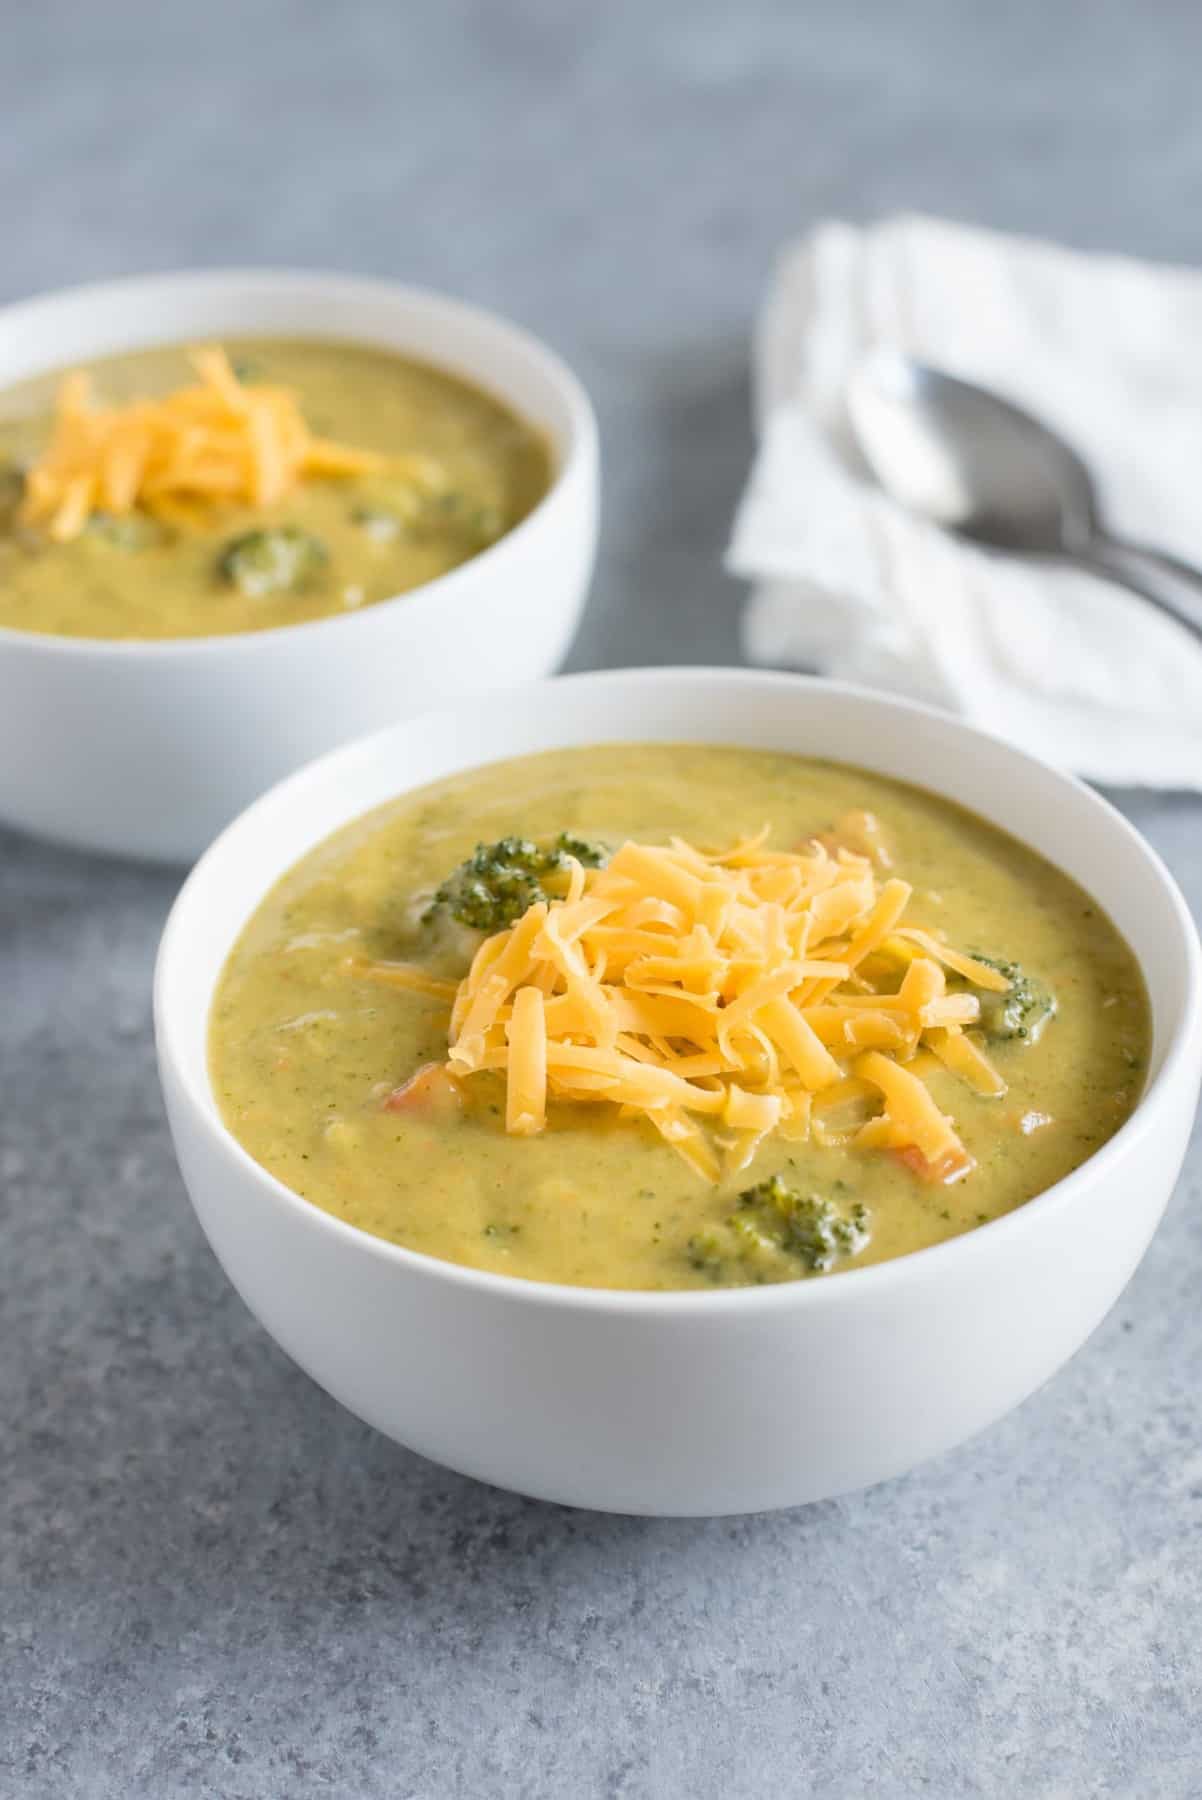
(193,491)
(668,1016)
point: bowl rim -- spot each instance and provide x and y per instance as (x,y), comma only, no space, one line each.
(580,446)
(688,1303)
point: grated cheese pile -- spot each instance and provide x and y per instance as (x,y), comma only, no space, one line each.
(726,996)
(221,441)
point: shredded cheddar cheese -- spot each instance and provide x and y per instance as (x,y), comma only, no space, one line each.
(725,996)
(220,441)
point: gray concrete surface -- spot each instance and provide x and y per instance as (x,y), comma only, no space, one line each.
(212,1580)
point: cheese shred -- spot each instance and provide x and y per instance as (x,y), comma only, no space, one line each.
(219,442)
(724,997)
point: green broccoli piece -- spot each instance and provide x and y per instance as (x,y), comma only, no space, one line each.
(476,523)
(132,531)
(375,522)
(499,882)
(496,884)
(282,559)
(807,1226)
(779,1234)
(1020,1014)
(593,856)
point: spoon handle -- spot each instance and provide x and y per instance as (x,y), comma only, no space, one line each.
(1173,586)
(1175,566)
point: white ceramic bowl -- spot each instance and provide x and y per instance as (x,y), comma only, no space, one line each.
(148,749)
(694,1402)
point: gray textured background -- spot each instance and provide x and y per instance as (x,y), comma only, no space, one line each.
(212,1580)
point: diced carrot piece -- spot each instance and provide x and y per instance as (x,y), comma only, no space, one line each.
(430,1093)
(948,1168)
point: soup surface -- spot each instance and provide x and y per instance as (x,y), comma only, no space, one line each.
(460,470)
(309,1049)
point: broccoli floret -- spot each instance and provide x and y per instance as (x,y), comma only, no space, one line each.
(498,882)
(280,560)
(807,1226)
(132,531)
(593,856)
(778,1234)
(476,523)
(1020,1014)
(380,526)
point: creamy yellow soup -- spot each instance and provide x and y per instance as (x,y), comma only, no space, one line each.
(307,1049)
(367,537)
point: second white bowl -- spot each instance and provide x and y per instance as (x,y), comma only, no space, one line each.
(148,749)
(689,1402)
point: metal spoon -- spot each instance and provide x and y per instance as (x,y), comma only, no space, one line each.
(972,462)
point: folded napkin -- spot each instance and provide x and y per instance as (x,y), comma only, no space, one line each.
(1106,350)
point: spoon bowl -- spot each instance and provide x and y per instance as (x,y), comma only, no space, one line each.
(974,463)
(969,460)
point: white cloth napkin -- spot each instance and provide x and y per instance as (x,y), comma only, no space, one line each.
(1105,349)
